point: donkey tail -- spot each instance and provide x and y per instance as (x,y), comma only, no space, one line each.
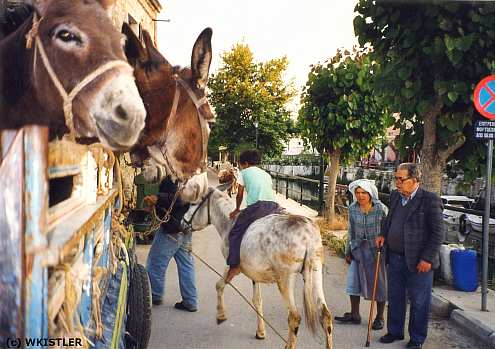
(309,300)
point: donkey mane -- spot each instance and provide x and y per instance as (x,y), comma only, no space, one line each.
(223,206)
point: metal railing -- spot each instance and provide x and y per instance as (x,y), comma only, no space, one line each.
(297,192)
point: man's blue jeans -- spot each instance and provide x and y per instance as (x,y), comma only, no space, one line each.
(417,286)
(162,250)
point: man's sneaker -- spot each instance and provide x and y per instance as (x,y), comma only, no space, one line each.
(390,338)
(182,306)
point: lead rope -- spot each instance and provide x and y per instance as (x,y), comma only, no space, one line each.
(189,250)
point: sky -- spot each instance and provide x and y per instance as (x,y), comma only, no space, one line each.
(307,32)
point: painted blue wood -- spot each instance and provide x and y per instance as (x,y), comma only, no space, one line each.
(87,286)
(36,206)
(11,239)
(107,227)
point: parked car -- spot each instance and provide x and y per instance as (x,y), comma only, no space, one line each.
(452,219)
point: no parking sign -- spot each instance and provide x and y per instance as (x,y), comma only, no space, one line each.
(484,97)
(484,102)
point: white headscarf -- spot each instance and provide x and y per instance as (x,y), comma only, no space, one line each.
(367,185)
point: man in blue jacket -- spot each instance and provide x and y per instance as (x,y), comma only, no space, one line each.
(170,242)
(413,232)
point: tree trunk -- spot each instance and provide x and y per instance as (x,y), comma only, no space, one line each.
(433,170)
(433,157)
(332,183)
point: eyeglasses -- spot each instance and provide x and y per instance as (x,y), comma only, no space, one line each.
(401,180)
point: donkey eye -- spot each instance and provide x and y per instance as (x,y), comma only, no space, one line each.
(67,36)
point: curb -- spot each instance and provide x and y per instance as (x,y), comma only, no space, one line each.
(444,308)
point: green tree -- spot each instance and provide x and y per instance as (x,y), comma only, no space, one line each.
(244,92)
(339,113)
(431,55)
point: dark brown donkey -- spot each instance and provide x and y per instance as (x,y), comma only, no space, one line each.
(65,67)
(177,130)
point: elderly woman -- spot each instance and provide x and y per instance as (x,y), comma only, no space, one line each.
(365,216)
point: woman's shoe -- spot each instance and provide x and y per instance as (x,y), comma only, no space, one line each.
(377,324)
(348,318)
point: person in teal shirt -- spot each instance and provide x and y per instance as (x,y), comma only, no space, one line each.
(260,200)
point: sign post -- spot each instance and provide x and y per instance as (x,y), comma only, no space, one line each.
(484,101)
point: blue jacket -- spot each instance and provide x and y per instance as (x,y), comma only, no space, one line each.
(423,228)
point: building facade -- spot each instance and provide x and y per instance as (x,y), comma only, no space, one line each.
(140,14)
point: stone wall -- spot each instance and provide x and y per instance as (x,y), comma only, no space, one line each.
(142,11)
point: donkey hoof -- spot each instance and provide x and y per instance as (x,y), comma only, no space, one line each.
(219,321)
(258,336)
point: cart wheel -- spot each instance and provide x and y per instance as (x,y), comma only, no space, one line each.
(139,307)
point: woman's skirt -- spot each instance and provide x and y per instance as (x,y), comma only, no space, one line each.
(360,276)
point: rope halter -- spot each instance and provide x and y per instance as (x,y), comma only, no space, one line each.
(68,98)
(198,103)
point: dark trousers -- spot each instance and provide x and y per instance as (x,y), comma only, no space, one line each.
(247,216)
(416,286)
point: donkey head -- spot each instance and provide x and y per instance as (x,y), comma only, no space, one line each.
(79,39)
(176,131)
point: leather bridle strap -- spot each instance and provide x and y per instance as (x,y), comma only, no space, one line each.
(204,126)
(68,98)
(198,103)
(205,199)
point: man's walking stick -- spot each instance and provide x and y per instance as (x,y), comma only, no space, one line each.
(373,294)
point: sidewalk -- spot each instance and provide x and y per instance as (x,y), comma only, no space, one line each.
(464,308)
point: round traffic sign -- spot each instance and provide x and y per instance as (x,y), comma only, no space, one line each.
(484,97)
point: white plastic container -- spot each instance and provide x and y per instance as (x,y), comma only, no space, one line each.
(445,266)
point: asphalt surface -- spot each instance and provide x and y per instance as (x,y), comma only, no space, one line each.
(173,328)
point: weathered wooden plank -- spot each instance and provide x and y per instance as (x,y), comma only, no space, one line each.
(11,241)
(87,289)
(107,226)
(36,209)
(62,210)
(64,158)
(69,231)
(6,139)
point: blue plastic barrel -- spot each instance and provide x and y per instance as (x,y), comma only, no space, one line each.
(464,270)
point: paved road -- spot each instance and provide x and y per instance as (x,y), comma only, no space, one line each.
(173,328)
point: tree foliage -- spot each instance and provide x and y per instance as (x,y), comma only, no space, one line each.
(340,114)
(339,110)
(432,55)
(244,91)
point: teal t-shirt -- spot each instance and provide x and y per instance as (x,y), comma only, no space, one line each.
(258,185)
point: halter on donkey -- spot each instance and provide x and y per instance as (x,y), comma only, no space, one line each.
(274,250)
(94,97)
(175,137)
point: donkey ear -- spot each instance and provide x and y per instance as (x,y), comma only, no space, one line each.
(201,58)
(134,50)
(40,6)
(153,54)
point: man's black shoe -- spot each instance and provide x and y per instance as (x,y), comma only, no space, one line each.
(390,338)
(182,306)
(157,301)
(412,345)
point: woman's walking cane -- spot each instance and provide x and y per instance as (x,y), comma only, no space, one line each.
(373,294)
